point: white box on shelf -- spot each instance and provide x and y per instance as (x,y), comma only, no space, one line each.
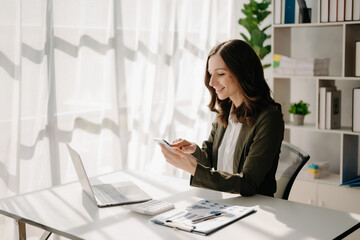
(318,169)
(356,110)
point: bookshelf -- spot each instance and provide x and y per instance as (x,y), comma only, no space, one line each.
(339,147)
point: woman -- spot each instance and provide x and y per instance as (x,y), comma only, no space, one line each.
(242,152)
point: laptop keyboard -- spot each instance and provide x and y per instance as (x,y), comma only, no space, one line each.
(108,193)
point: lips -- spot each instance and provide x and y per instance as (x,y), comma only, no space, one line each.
(219,90)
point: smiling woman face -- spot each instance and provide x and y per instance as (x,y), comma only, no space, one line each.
(223,81)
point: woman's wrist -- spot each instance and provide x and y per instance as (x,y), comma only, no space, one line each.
(193,146)
(193,170)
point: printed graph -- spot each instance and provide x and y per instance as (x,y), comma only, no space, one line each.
(206,208)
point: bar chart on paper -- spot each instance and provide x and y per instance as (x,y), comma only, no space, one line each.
(202,209)
(204,216)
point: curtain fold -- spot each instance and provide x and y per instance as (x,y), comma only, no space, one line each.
(105,76)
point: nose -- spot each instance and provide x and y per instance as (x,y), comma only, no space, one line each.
(212,81)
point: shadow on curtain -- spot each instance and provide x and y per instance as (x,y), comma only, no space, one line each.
(105,76)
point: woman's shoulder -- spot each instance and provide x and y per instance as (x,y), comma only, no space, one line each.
(270,111)
(216,124)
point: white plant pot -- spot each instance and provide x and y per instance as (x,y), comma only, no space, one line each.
(298,119)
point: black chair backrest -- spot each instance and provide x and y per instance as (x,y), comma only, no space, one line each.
(291,161)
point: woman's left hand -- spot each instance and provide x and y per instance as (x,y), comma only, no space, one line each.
(179,159)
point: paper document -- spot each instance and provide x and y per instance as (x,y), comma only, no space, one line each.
(203,217)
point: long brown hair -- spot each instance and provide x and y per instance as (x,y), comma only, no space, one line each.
(245,65)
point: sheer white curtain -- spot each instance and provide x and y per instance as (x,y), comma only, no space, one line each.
(105,76)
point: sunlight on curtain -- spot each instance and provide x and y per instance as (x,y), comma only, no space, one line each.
(105,76)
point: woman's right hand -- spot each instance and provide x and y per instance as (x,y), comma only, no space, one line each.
(184,145)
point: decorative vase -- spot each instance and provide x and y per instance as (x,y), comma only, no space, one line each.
(298,119)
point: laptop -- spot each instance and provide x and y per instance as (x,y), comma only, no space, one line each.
(104,195)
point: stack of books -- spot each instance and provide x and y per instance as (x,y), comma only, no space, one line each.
(329,108)
(301,66)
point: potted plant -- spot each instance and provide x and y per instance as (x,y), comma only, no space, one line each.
(299,110)
(255,13)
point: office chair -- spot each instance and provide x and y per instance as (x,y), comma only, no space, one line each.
(291,161)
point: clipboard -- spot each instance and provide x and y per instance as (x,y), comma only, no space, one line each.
(216,214)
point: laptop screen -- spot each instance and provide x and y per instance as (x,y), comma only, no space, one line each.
(80,171)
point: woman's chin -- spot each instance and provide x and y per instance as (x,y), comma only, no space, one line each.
(221,98)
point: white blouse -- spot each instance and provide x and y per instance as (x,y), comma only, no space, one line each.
(227,147)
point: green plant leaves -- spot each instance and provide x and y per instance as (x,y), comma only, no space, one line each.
(299,108)
(245,37)
(264,51)
(255,13)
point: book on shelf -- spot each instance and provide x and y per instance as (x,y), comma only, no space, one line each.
(332,10)
(322,104)
(348,10)
(357,58)
(277,11)
(324,11)
(356,110)
(297,12)
(333,110)
(340,10)
(356,10)
(282,11)
(289,11)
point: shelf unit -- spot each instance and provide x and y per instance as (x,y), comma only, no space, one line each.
(334,40)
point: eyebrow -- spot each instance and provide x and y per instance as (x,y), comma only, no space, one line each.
(218,69)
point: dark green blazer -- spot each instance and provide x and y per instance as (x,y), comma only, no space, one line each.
(255,158)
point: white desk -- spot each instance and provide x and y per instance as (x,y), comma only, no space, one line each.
(67,211)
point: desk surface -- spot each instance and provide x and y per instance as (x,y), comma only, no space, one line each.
(67,211)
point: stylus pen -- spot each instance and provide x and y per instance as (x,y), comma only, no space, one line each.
(179,225)
(206,218)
